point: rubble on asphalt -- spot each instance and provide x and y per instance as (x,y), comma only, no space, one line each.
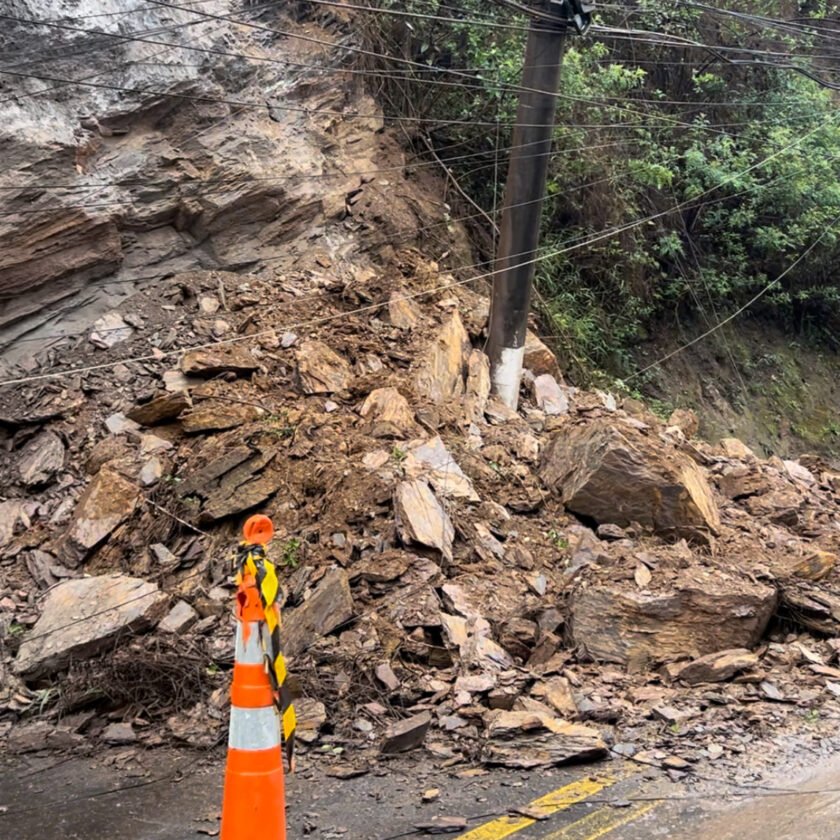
(520,588)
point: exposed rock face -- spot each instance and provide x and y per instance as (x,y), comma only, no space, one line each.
(101,608)
(615,474)
(705,610)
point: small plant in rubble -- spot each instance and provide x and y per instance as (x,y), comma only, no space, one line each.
(290,553)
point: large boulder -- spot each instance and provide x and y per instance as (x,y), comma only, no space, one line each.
(701,610)
(83,616)
(614,473)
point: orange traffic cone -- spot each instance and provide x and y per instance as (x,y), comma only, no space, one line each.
(254,804)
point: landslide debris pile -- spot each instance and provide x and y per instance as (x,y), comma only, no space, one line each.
(515,587)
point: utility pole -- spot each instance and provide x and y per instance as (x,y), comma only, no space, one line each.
(525,190)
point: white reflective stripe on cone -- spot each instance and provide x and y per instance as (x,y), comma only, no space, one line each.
(250,652)
(254,729)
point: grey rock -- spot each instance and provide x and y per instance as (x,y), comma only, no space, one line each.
(41,459)
(407,734)
(180,618)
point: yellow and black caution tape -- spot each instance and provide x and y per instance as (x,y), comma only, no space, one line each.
(253,561)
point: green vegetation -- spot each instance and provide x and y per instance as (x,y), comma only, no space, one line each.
(734,166)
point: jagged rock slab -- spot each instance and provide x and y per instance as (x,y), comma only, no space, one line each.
(538,358)
(407,734)
(160,409)
(218,415)
(525,739)
(703,611)
(232,497)
(473,642)
(321,369)
(815,607)
(82,617)
(549,396)
(180,618)
(615,474)
(388,414)
(106,503)
(714,667)
(10,514)
(328,608)
(225,358)
(420,517)
(432,461)
(41,459)
(440,376)
(478,387)
(402,313)
(109,330)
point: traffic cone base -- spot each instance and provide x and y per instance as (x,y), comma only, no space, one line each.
(253,807)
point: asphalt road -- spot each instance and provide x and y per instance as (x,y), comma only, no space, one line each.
(162,795)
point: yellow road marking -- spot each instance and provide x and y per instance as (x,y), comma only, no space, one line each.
(599,823)
(547,805)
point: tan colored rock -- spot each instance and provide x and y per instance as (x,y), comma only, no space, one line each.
(102,609)
(618,475)
(815,566)
(329,607)
(321,369)
(440,376)
(714,667)
(421,519)
(160,409)
(686,421)
(388,413)
(704,610)
(557,693)
(736,449)
(472,640)
(222,358)
(432,461)
(538,358)
(218,415)
(41,459)
(106,503)
(10,514)
(478,387)
(402,313)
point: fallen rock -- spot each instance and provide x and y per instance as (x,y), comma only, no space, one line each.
(736,449)
(10,515)
(119,733)
(557,693)
(618,475)
(686,421)
(538,358)
(477,388)
(440,375)
(714,667)
(101,608)
(703,610)
(223,358)
(549,396)
(160,409)
(385,674)
(472,640)
(109,330)
(179,619)
(41,735)
(402,313)
(41,459)
(151,472)
(106,503)
(328,608)
(311,716)
(321,369)
(388,414)
(218,415)
(420,518)
(432,461)
(406,734)
(529,739)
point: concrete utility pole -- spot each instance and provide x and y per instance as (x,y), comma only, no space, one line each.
(525,190)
